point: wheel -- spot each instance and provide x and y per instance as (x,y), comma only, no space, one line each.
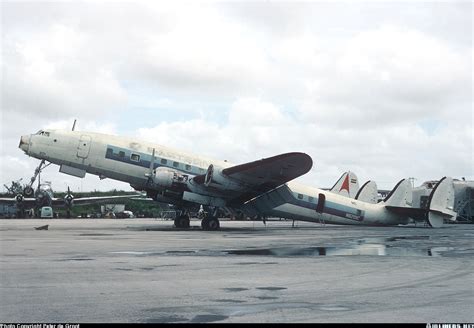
(210,224)
(214,224)
(28,191)
(182,221)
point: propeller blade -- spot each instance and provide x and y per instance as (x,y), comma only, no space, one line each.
(152,164)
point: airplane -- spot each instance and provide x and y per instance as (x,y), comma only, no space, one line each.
(347,185)
(299,202)
(258,188)
(167,175)
(28,198)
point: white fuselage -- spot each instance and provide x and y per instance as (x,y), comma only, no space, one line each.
(128,160)
(337,209)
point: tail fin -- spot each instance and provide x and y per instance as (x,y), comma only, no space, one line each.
(401,195)
(441,202)
(368,192)
(347,185)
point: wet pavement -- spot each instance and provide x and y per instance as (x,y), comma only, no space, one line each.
(144,270)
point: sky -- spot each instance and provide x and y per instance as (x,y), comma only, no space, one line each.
(383,89)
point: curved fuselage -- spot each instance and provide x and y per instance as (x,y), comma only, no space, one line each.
(337,209)
(128,160)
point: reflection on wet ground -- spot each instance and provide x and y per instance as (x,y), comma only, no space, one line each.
(374,246)
(368,249)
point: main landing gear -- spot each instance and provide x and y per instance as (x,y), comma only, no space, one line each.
(208,223)
(182,221)
(211,222)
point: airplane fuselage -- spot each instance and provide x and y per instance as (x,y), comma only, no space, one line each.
(129,161)
(337,209)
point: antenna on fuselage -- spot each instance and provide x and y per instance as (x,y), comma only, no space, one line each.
(74,125)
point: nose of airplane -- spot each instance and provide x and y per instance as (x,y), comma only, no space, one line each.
(24,143)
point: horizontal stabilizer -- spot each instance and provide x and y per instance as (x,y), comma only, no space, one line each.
(347,185)
(368,193)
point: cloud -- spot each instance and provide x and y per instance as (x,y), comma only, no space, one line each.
(369,87)
(47,75)
(390,76)
(256,128)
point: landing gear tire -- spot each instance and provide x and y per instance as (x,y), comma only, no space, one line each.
(210,224)
(28,191)
(182,222)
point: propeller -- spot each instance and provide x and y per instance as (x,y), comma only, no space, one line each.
(69,201)
(152,165)
(69,198)
(19,198)
(209,174)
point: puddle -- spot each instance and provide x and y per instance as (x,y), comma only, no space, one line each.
(364,249)
(78,259)
(95,234)
(371,246)
(167,319)
(272,288)
(180,252)
(204,318)
(235,289)
(228,301)
(334,308)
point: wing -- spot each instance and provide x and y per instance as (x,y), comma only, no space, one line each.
(59,202)
(28,202)
(246,181)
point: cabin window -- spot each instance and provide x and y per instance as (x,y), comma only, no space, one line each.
(311,199)
(121,154)
(300,196)
(188,167)
(175,164)
(135,157)
(163,161)
(201,170)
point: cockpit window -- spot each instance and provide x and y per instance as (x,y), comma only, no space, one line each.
(42,133)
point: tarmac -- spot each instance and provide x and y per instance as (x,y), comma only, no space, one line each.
(146,271)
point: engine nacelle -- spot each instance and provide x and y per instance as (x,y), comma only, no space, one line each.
(215,176)
(166,178)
